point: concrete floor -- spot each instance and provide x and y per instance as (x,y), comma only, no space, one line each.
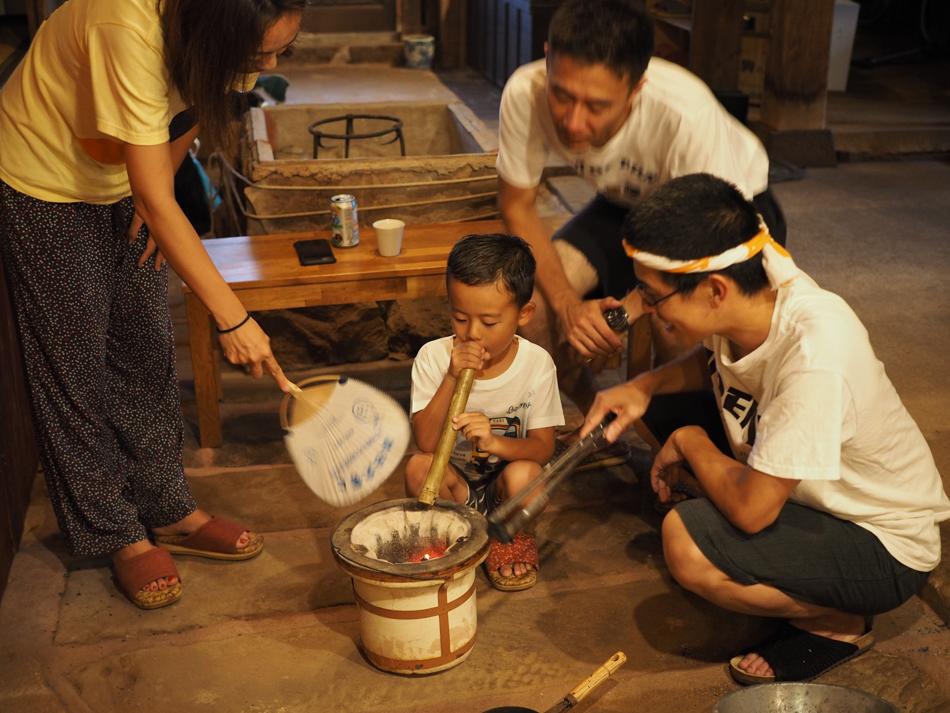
(279,633)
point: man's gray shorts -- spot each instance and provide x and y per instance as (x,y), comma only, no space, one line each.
(810,555)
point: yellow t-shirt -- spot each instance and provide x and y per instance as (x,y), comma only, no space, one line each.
(94,74)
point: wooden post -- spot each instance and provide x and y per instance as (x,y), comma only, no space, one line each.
(409,17)
(451,34)
(715,44)
(639,346)
(796,74)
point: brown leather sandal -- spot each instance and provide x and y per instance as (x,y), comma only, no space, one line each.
(213,540)
(134,573)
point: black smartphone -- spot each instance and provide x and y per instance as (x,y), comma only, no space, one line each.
(314,252)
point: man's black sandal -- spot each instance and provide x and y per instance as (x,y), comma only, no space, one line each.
(797,655)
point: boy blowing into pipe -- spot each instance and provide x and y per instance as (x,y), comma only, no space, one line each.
(507,429)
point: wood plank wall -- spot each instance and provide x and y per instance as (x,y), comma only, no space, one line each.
(504,34)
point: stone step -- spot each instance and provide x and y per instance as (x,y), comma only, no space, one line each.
(863,143)
(346,48)
(573,191)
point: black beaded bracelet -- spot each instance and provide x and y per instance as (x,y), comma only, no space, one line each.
(236,326)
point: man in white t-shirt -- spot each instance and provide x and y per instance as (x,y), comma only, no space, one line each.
(626,123)
(819,497)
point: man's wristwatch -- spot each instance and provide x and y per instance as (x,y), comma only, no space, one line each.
(617,318)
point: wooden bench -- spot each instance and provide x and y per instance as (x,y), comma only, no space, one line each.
(265,274)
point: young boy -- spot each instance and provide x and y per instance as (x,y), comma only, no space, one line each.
(822,509)
(507,430)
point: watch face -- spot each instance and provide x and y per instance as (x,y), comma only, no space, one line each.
(616,318)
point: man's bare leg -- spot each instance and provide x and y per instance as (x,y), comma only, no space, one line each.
(574,376)
(690,567)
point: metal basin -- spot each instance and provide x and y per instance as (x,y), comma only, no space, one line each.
(802,698)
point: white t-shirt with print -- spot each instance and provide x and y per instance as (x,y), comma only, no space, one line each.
(523,398)
(676,126)
(813,403)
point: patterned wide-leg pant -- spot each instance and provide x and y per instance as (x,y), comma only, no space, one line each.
(99,353)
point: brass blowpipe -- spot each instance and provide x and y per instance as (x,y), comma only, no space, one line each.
(443,450)
(509,518)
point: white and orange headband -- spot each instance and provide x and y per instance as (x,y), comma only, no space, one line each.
(776,260)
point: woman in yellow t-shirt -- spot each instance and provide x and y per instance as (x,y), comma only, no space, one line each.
(85,159)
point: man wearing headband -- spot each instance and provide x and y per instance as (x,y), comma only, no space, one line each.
(626,123)
(818,497)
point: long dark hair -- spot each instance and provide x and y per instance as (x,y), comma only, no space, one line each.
(209,46)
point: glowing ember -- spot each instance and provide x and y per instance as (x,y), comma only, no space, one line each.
(424,554)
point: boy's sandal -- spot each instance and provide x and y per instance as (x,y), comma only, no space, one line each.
(797,655)
(214,540)
(523,550)
(134,573)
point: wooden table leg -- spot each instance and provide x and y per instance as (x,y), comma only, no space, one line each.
(639,360)
(205,373)
(639,344)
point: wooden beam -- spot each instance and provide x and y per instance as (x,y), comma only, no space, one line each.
(796,74)
(35,15)
(451,35)
(409,17)
(715,43)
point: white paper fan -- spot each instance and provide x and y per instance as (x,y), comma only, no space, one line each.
(347,440)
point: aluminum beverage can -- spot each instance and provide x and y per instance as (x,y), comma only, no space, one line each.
(344,221)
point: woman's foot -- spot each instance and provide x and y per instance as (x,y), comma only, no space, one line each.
(134,550)
(146,575)
(195,521)
(200,535)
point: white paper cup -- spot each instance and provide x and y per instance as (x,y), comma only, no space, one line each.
(389,236)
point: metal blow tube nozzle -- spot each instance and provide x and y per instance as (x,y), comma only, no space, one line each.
(508,519)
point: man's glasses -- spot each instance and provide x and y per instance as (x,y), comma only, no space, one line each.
(651,301)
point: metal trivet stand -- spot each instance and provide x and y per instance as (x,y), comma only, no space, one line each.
(350,135)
